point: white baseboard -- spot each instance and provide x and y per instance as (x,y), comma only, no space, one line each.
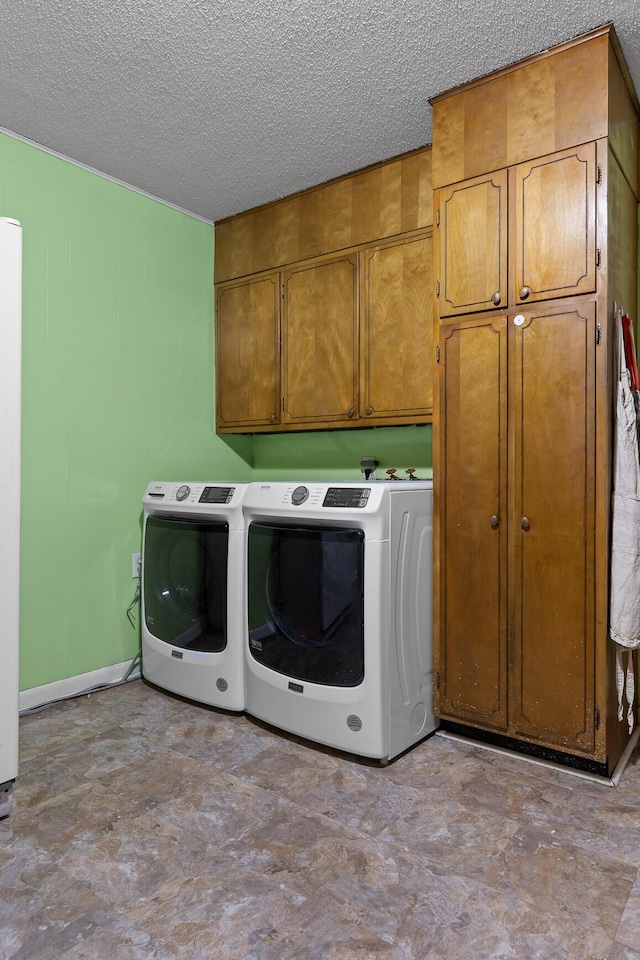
(72,686)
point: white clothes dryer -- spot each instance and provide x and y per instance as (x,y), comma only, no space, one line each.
(193,590)
(339,601)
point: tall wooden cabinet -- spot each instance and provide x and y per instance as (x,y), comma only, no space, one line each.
(536,236)
(324,305)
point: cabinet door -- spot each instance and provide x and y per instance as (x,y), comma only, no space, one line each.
(320,341)
(555,210)
(397,331)
(471,471)
(553,437)
(247,353)
(473,241)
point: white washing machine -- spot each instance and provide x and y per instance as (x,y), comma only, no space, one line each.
(339,606)
(193,590)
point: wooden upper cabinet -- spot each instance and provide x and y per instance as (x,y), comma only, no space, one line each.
(553,396)
(541,105)
(473,244)
(520,235)
(329,349)
(555,225)
(247,353)
(368,205)
(320,341)
(470,453)
(397,331)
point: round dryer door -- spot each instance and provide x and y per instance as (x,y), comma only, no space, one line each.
(185,582)
(306,613)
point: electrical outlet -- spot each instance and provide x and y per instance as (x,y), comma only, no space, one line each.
(136,564)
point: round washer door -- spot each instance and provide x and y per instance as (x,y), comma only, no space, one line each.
(184,579)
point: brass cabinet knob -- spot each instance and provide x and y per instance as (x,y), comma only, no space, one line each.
(525,523)
(272,418)
(496,298)
(524,293)
(350,412)
(369,410)
(495,522)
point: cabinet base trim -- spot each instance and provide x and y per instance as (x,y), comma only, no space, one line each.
(529,751)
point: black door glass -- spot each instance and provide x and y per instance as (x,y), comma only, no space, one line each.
(306,612)
(185,582)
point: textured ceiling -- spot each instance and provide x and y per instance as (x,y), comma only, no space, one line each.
(220,105)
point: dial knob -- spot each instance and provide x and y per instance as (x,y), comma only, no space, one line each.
(299,495)
(183,492)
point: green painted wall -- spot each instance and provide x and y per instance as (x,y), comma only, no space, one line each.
(336,454)
(117,390)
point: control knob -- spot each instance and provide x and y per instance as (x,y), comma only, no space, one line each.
(299,495)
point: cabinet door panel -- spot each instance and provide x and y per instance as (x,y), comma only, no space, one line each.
(555,248)
(320,349)
(397,331)
(247,354)
(473,245)
(554,505)
(472,444)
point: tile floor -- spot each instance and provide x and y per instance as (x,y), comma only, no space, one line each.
(148,827)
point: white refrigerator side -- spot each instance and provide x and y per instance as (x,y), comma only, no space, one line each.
(10,403)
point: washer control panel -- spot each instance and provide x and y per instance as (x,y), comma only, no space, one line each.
(347,497)
(208,495)
(217,495)
(190,494)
